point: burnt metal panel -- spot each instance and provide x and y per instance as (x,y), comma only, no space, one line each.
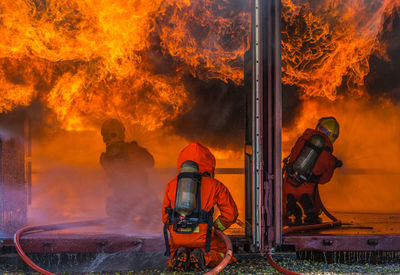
(344,243)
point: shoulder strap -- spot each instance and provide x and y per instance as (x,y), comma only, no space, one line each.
(209,230)
(192,175)
(167,247)
(169,211)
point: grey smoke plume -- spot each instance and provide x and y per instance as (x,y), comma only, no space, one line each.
(383,79)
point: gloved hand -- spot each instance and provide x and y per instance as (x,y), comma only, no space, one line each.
(218,225)
(338,163)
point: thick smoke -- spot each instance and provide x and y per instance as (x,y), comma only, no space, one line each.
(383,79)
(217,115)
(291,104)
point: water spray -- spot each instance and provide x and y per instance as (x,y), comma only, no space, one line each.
(41,228)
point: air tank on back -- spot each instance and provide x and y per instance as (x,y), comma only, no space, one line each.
(307,158)
(187,188)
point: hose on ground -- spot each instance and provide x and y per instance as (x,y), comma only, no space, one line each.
(298,228)
(228,254)
(278,267)
(41,228)
(22,254)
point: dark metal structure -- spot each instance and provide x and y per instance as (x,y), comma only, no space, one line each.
(266,106)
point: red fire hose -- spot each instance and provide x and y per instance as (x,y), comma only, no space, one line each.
(22,254)
(41,228)
(299,228)
(228,254)
(34,229)
(278,267)
(219,233)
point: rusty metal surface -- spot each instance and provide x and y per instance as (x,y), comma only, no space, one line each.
(359,232)
(79,243)
(100,243)
(344,243)
(362,224)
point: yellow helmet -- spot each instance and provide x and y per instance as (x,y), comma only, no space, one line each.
(329,126)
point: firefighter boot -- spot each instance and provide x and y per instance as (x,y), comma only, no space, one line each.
(311,216)
(181,259)
(293,209)
(197,259)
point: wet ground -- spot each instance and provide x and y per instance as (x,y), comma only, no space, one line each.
(254,264)
(355,224)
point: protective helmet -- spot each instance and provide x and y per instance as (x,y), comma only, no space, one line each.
(113,131)
(329,126)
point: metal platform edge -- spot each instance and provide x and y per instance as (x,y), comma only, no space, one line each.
(344,243)
(100,244)
(90,244)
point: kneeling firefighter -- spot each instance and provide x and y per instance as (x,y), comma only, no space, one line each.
(188,209)
(310,163)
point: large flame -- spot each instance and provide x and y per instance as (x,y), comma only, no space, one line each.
(211,38)
(87,60)
(327,47)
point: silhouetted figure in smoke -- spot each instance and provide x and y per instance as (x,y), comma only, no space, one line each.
(125,164)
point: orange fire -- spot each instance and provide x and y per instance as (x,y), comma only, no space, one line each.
(327,45)
(87,60)
(326,50)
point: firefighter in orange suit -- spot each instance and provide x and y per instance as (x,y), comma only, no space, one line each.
(187,212)
(310,163)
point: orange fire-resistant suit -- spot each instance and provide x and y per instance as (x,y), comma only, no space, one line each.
(212,193)
(324,168)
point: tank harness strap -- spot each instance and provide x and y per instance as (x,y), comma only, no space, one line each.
(198,198)
(315,148)
(209,231)
(167,247)
(192,175)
